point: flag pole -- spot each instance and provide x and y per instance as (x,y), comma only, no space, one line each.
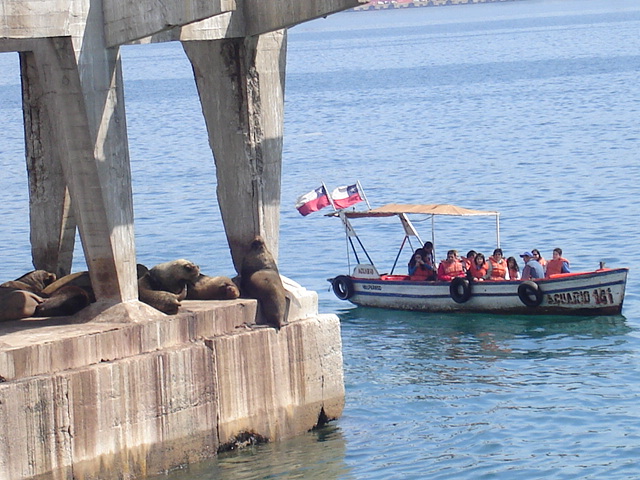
(360,189)
(326,191)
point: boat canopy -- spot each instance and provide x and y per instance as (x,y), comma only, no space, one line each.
(402,211)
(433,209)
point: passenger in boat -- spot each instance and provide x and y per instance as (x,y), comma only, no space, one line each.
(538,257)
(428,255)
(451,267)
(419,269)
(557,264)
(478,269)
(468,260)
(497,266)
(513,268)
(532,269)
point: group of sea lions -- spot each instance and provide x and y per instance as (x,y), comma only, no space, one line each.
(40,294)
(167,284)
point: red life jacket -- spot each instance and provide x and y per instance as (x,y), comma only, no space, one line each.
(498,270)
(478,271)
(448,270)
(421,273)
(555,266)
(514,274)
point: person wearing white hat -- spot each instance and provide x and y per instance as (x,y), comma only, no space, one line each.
(532,268)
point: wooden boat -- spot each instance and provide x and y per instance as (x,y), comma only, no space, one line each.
(598,292)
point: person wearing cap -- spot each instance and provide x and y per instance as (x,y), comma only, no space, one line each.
(532,269)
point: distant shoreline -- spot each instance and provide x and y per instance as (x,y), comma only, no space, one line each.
(393,4)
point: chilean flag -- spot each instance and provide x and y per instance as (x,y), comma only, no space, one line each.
(312,201)
(344,197)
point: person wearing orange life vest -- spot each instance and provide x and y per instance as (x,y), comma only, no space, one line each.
(419,269)
(468,260)
(557,264)
(478,269)
(497,266)
(538,257)
(451,267)
(513,268)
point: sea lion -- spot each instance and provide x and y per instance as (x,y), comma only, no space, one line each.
(212,288)
(166,302)
(173,276)
(34,281)
(78,279)
(17,304)
(261,280)
(65,301)
(164,286)
(38,279)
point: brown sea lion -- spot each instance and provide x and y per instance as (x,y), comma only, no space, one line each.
(17,304)
(212,288)
(16,285)
(66,300)
(34,281)
(261,280)
(173,276)
(78,279)
(153,284)
(166,302)
(38,279)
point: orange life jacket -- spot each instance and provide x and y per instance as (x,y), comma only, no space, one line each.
(514,274)
(421,273)
(498,270)
(466,263)
(447,270)
(555,266)
(478,271)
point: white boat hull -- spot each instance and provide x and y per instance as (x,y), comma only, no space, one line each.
(591,293)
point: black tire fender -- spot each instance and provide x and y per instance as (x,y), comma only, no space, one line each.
(530,294)
(460,289)
(342,287)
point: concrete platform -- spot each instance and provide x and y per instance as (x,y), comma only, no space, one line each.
(130,391)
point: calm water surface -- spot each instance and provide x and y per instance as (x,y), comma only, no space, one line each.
(529,107)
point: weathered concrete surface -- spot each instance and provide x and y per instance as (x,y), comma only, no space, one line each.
(50,203)
(241,86)
(76,124)
(106,399)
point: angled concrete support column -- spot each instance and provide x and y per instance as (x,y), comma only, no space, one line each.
(241,86)
(53,226)
(96,183)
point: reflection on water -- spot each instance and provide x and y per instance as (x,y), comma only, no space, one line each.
(316,455)
(428,337)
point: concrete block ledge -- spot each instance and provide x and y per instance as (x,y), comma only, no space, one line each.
(107,399)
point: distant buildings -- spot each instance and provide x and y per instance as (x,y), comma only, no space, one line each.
(385,4)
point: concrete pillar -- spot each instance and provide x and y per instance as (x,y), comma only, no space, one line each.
(241,86)
(53,226)
(104,221)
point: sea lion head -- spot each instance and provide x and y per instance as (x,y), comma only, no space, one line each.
(187,270)
(38,280)
(257,243)
(257,257)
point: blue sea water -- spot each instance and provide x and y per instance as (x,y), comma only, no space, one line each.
(528,107)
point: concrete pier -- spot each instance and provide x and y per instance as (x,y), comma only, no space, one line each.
(120,389)
(111,399)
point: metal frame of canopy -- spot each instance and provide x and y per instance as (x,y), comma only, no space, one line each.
(401,211)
